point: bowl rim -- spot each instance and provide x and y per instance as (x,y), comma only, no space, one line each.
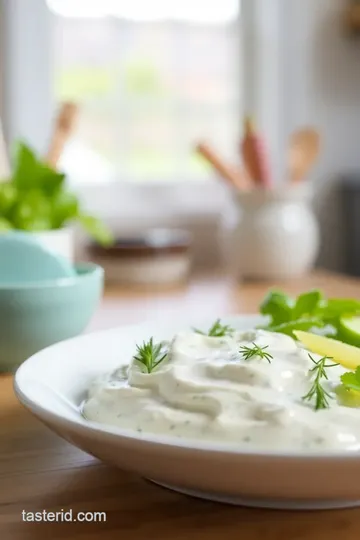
(298,193)
(167,441)
(156,241)
(84,271)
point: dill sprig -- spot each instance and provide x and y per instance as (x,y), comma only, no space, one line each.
(317,391)
(255,351)
(217,330)
(150,355)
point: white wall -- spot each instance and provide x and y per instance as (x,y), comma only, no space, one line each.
(26,100)
(321,77)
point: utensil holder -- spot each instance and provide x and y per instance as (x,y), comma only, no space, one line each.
(275,234)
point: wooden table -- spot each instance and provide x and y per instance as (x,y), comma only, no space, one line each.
(39,471)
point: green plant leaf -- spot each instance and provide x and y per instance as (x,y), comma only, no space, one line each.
(351,380)
(310,311)
(348,397)
(24,166)
(8,197)
(278,306)
(51,182)
(5,225)
(301,324)
(65,207)
(32,173)
(32,212)
(97,229)
(35,198)
(307,304)
(335,308)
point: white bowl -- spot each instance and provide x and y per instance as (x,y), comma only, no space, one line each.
(53,384)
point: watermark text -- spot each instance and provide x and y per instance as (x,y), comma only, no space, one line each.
(63,515)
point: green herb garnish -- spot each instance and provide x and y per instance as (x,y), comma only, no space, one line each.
(348,391)
(217,330)
(278,306)
(309,311)
(150,355)
(317,391)
(35,198)
(255,351)
(304,325)
(351,380)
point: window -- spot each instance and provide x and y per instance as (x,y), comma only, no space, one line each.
(152,78)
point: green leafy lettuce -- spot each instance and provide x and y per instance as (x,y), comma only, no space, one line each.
(351,380)
(310,311)
(348,392)
(36,198)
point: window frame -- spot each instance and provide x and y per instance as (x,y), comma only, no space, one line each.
(26,33)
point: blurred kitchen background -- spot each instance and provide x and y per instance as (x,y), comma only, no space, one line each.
(153,77)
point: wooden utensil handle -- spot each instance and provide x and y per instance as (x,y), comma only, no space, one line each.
(233,177)
(304,150)
(63,127)
(255,155)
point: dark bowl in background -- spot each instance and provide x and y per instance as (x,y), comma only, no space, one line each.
(153,257)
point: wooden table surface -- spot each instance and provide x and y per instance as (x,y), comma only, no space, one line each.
(39,471)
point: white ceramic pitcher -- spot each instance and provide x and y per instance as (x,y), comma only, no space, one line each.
(275,235)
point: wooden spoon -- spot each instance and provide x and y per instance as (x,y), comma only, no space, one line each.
(255,155)
(233,176)
(63,127)
(303,152)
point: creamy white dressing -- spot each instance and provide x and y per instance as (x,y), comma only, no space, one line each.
(206,390)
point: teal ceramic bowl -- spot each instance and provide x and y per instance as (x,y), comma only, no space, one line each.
(36,315)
